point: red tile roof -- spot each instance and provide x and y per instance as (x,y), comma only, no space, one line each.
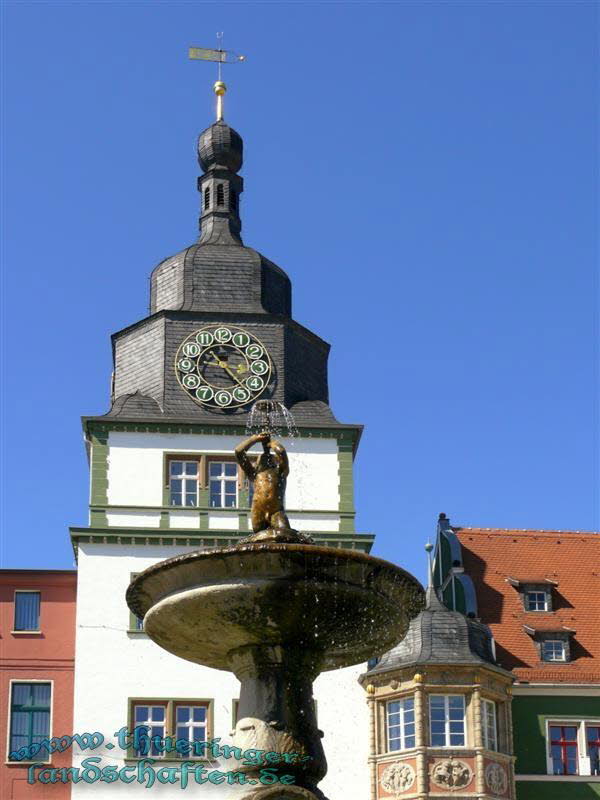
(569,558)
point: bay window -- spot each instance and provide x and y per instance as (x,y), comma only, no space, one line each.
(489,727)
(400,724)
(447,720)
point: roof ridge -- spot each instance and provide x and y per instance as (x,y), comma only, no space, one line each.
(526,531)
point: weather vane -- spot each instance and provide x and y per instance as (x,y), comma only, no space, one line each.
(221,57)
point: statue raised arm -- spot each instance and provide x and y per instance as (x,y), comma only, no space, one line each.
(268,476)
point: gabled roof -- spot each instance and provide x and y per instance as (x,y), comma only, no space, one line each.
(501,561)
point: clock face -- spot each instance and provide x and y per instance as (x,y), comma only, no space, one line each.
(223,366)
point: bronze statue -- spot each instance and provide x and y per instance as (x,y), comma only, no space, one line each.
(268,474)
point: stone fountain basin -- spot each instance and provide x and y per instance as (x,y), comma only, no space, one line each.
(343,605)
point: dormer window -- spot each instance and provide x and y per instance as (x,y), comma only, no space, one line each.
(536,600)
(553,650)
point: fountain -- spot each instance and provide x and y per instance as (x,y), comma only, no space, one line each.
(276,610)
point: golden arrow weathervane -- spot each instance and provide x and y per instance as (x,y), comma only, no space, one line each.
(220,56)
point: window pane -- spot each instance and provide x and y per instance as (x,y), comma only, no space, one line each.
(394,707)
(199,733)
(436,701)
(190,486)
(183,732)
(183,714)
(21,694)
(27,611)
(158,714)
(409,742)
(190,499)
(438,727)
(230,468)
(438,740)
(214,468)
(229,501)
(175,498)
(176,467)
(570,733)
(41,694)
(191,467)
(456,727)
(409,704)
(456,702)
(199,714)
(457,740)
(141,713)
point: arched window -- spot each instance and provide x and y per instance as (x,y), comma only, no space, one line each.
(220,195)
(207,198)
(233,201)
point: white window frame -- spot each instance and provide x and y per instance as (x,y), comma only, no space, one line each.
(183,477)
(447,720)
(486,719)
(583,760)
(562,643)
(190,724)
(223,478)
(536,592)
(39,759)
(150,724)
(402,711)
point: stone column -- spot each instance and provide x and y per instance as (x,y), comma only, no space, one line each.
(478,741)
(421,738)
(373,748)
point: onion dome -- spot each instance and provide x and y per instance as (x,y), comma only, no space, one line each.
(220,147)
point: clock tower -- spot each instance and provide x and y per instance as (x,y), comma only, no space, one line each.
(164,480)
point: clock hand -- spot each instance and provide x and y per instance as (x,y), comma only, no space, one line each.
(224,366)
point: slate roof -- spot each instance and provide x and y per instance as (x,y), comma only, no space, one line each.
(569,558)
(439,636)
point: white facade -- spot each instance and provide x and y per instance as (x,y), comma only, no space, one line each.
(114,665)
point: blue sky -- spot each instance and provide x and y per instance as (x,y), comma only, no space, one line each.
(426,173)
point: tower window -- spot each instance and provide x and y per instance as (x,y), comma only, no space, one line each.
(233,201)
(400,724)
(220,195)
(223,484)
(207,198)
(183,483)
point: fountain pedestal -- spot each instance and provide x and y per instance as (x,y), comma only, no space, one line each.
(276,615)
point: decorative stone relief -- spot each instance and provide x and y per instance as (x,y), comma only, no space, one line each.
(397,778)
(496,778)
(451,774)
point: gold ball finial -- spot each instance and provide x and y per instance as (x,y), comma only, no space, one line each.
(370,689)
(219,88)
(418,678)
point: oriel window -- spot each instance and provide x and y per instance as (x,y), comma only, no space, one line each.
(447,720)
(489,724)
(400,724)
